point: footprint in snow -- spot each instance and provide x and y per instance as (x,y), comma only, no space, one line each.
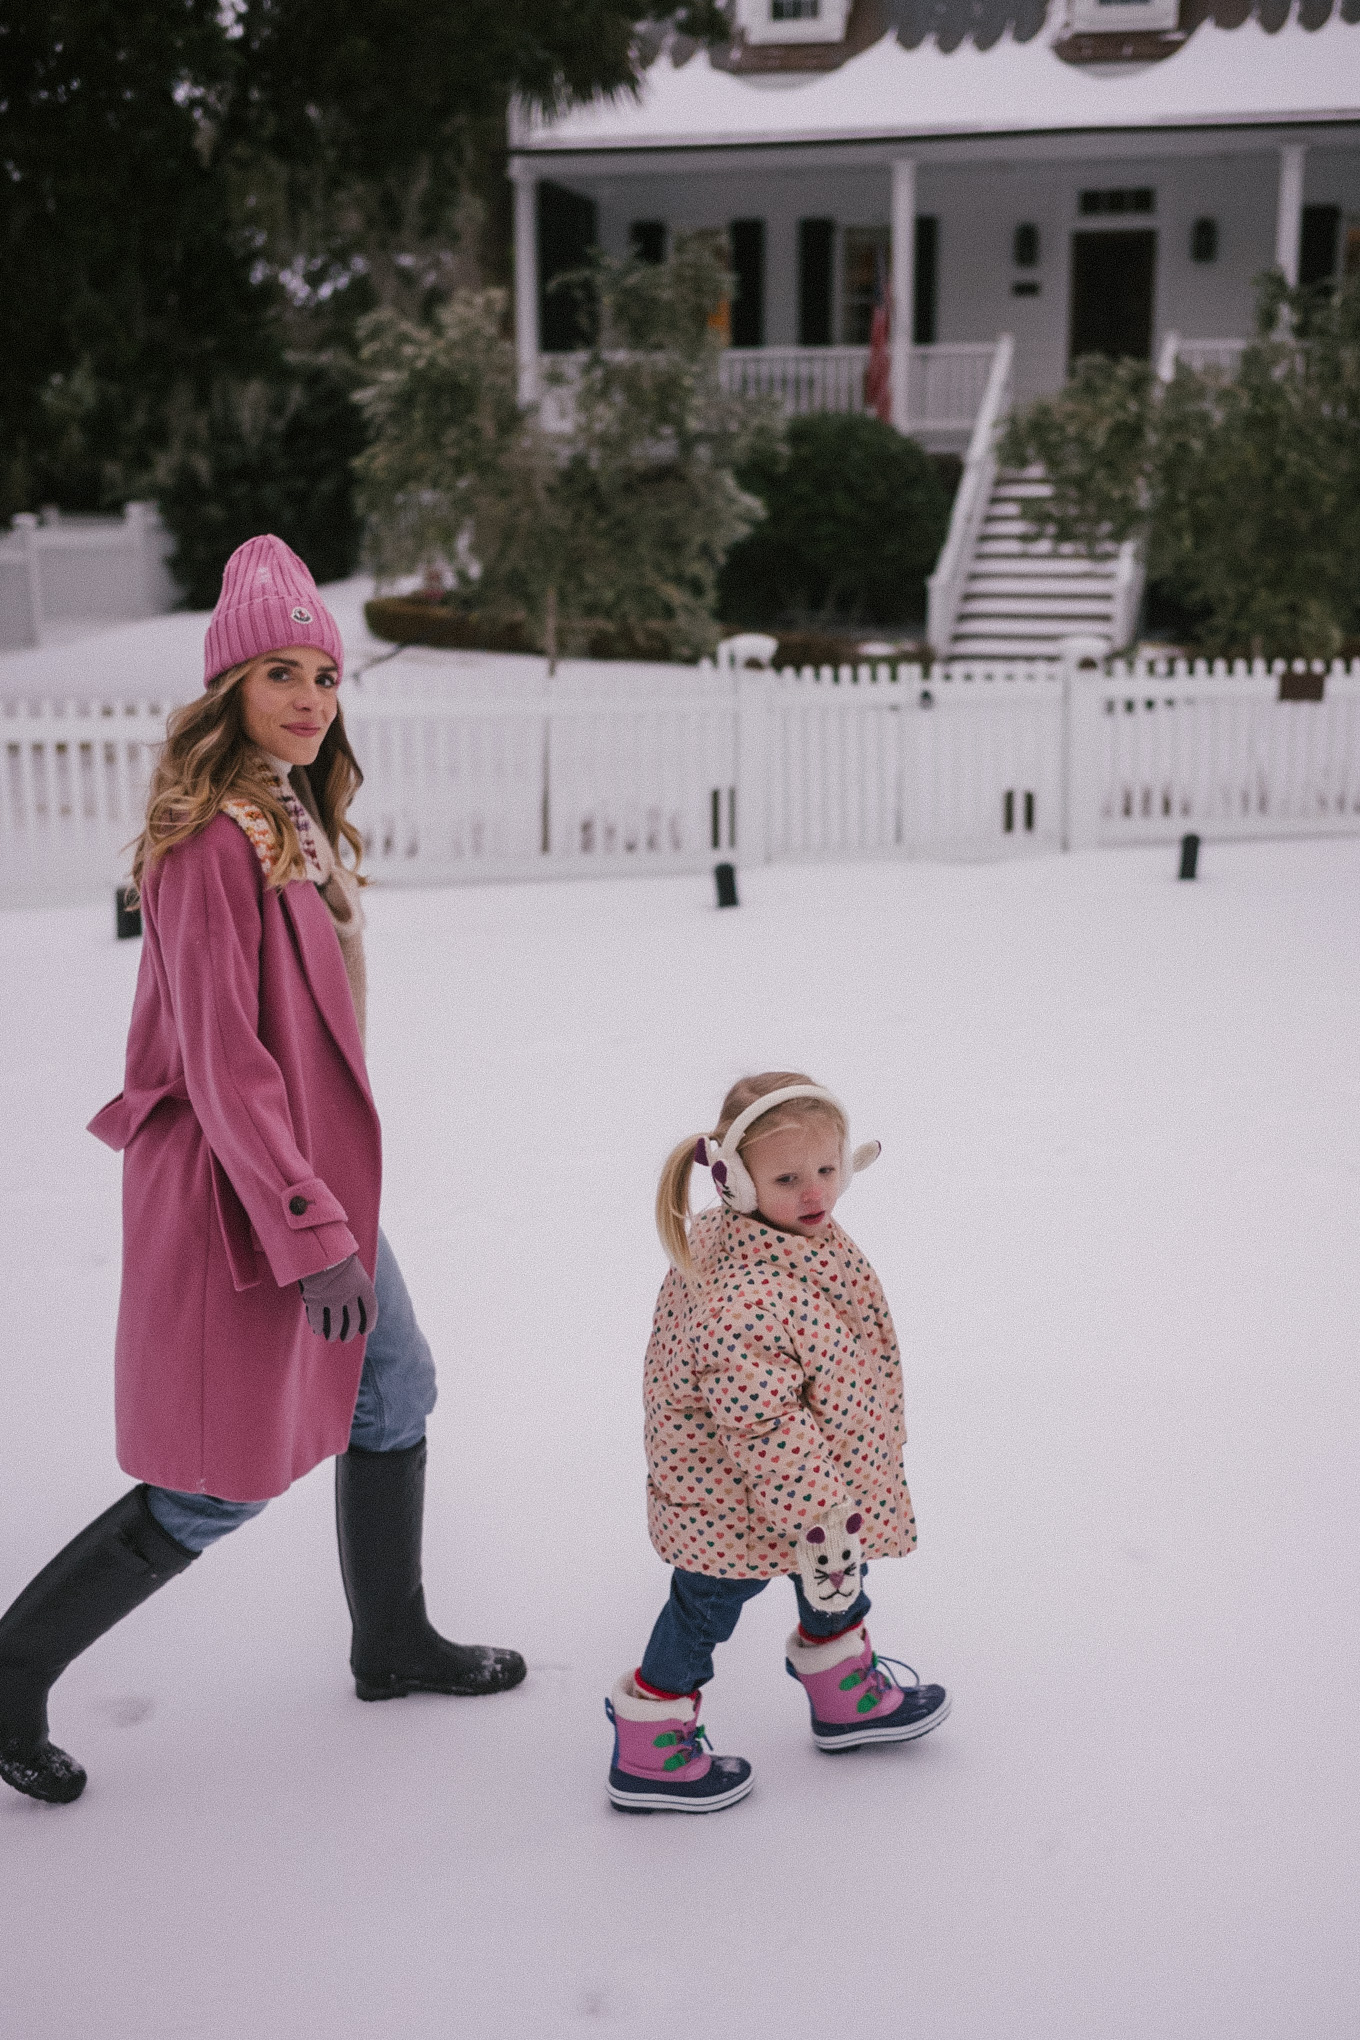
(128,1710)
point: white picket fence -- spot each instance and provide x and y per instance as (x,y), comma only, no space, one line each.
(496,771)
(57,572)
(1156,752)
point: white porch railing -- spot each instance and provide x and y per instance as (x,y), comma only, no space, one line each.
(502,773)
(59,571)
(1224,355)
(946,383)
(802,378)
(944,589)
(945,386)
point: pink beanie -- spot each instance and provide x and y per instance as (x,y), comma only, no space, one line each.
(268,600)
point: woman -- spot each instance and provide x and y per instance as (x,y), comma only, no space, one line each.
(264,1324)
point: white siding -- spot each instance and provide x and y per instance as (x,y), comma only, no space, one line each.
(978,205)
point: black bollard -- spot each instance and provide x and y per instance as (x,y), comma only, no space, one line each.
(726,876)
(1189,855)
(127,914)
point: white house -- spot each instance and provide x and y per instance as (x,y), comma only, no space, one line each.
(1082,175)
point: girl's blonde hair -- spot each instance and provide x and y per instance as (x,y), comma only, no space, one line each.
(672,1195)
(207,760)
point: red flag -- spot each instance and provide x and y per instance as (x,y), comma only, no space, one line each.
(878,368)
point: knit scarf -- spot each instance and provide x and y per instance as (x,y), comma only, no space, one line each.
(338,888)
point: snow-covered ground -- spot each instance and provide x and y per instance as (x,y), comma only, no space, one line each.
(1117,1218)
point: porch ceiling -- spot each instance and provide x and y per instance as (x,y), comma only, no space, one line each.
(1223,80)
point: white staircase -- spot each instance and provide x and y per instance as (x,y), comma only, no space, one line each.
(1021,594)
(999,590)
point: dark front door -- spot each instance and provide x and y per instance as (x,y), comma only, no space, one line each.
(1112,275)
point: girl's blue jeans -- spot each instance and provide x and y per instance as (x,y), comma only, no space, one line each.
(396,1394)
(702,1611)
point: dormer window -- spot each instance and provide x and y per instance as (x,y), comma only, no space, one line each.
(1117,17)
(792,21)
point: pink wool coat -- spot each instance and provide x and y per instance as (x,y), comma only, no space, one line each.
(251,1157)
(773,1390)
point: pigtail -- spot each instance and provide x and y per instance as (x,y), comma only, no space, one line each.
(672,1206)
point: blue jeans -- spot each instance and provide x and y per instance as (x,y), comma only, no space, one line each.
(396,1394)
(702,1611)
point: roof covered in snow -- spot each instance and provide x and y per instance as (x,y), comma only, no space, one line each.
(1248,75)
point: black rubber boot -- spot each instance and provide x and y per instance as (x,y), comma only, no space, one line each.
(115,1564)
(379,1513)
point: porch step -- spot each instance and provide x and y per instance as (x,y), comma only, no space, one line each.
(1022,592)
(1016,577)
(1055,608)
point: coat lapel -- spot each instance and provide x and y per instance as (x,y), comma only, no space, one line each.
(318,948)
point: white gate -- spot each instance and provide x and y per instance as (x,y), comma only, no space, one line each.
(874,761)
(1159,751)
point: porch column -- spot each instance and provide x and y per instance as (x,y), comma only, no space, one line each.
(525,180)
(1289,212)
(902,263)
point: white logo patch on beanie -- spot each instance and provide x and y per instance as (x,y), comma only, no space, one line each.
(302,615)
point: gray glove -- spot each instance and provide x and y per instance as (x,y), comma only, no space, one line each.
(341,1301)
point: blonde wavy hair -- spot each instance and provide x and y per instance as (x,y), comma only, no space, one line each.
(207,759)
(672,1194)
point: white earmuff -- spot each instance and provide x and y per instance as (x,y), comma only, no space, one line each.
(732,1178)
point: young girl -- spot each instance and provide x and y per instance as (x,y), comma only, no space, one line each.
(773,1397)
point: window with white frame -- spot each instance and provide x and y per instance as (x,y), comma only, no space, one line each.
(792,21)
(1117,17)
(865,252)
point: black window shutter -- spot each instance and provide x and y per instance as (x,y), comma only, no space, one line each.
(927,280)
(1317,243)
(816,243)
(748,260)
(567,232)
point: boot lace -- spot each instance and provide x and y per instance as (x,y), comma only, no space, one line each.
(880,1679)
(685,1748)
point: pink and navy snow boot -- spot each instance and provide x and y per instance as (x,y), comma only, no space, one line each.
(854,1700)
(660,1763)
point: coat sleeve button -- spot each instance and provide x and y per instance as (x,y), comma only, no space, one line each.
(297,1205)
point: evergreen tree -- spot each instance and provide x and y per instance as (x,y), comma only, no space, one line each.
(202,197)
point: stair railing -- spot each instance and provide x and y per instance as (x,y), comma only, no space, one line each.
(1130,574)
(944,589)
